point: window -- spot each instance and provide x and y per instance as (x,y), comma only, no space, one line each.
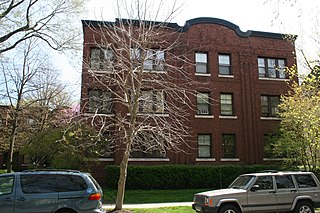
(224,64)
(284,182)
(42,183)
(203,103)
(271,68)
(67,183)
(204,145)
(269,105)
(305,181)
(226,104)
(264,183)
(153,59)
(229,145)
(6,185)
(101,59)
(100,101)
(201,62)
(152,101)
(148,144)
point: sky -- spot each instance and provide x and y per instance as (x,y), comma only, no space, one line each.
(298,17)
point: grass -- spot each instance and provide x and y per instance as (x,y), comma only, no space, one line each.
(152,196)
(182,209)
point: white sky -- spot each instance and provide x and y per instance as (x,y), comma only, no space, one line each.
(260,15)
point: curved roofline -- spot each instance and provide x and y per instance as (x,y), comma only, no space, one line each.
(189,23)
(236,28)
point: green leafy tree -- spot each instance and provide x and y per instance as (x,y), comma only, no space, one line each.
(299,141)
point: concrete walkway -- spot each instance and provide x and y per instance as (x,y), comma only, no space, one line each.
(148,205)
(153,205)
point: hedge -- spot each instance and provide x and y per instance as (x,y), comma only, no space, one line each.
(181,176)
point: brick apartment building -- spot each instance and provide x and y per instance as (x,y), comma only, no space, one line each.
(246,70)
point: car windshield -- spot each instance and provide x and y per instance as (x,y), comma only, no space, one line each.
(241,182)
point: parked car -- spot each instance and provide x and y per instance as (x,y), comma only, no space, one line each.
(50,191)
(297,192)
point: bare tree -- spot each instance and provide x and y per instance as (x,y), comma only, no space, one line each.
(141,85)
(49,21)
(30,89)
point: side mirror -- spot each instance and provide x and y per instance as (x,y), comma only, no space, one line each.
(254,188)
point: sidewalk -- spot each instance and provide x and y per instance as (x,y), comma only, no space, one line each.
(148,205)
(154,205)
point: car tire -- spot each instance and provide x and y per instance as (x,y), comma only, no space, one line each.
(303,207)
(229,209)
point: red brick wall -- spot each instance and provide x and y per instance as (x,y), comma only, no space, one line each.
(245,85)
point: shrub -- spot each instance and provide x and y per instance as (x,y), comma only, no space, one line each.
(181,176)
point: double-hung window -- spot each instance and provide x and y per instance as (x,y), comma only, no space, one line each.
(269,105)
(150,60)
(204,146)
(271,68)
(229,145)
(101,59)
(203,103)
(201,62)
(152,101)
(100,101)
(224,64)
(226,104)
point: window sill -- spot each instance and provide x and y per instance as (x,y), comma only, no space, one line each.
(225,76)
(99,114)
(230,159)
(228,116)
(105,159)
(205,159)
(203,74)
(155,71)
(149,159)
(273,79)
(270,118)
(101,71)
(151,114)
(204,116)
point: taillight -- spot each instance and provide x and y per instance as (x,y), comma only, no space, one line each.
(96,196)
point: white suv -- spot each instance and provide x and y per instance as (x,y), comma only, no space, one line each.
(297,192)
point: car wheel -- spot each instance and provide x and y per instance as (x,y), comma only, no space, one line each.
(229,209)
(303,207)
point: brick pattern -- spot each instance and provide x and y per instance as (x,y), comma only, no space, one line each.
(244,84)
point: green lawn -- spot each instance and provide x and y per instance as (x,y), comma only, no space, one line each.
(152,196)
(182,209)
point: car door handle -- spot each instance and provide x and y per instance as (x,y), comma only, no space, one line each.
(293,190)
(21,199)
(272,192)
(7,199)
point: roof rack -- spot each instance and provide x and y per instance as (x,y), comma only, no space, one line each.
(52,170)
(269,171)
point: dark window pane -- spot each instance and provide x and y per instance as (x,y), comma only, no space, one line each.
(284,182)
(38,183)
(229,145)
(71,183)
(305,181)
(265,183)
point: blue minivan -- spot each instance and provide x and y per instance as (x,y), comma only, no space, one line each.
(52,191)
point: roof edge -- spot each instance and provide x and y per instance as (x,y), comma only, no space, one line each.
(188,24)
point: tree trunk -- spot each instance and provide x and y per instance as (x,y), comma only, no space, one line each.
(12,142)
(122,179)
